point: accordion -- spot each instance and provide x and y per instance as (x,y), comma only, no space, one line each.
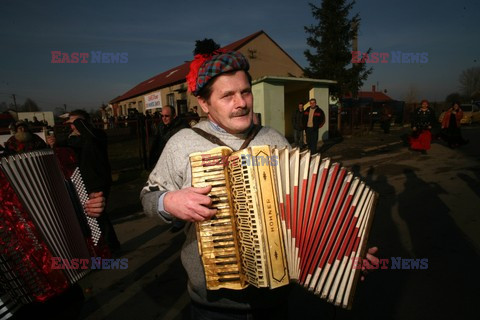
(282,215)
(42,218)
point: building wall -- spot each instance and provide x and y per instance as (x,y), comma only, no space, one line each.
(269,101)
(137,102)
(267,59)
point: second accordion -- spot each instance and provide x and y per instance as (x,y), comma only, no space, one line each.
(42,220)
(282,215)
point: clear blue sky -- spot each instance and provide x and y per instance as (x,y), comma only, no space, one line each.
(158,35)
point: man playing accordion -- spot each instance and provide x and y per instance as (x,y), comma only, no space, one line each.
(222,85)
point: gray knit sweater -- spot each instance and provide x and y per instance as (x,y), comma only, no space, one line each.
(173,172)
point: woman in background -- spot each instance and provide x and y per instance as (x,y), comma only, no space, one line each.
(422,122)
(451,126)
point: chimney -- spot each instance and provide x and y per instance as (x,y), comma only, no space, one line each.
(373,88)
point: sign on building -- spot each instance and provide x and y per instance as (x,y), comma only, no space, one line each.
(153,100)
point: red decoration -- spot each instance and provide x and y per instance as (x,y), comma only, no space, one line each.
(20,241)
(195,65)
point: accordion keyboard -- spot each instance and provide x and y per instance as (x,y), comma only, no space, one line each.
(77,181)
(217,239)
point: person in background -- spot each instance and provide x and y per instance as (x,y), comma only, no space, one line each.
(90,147)
(297,124)
(451,126)
(422,123)
(23,140)
(169,125)
(313,119)
(385,118)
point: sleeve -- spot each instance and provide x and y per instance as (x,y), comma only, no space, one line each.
(305,117)
(167,175)
(39,143)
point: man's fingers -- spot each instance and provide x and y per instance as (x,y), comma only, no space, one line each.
(95,205)
(203,214)
(202,190)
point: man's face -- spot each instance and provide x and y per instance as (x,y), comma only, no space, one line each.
(424,105)
(231,102)
(167,116)
(300,107)
(22,134)
(313,103)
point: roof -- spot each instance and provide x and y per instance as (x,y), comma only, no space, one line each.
(292,79)
(178,74)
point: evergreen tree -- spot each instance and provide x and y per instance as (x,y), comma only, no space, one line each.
(331,42)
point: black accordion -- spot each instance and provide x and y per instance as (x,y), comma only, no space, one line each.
(42,219)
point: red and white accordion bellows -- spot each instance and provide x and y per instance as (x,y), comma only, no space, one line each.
(281,215)
(41,218)
(326,215)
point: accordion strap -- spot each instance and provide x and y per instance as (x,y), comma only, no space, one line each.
(210,137)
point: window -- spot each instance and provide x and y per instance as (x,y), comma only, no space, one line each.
(171,99)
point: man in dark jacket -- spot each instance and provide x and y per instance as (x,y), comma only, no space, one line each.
(313,119)
(90,147)
(170,125)
(298,127)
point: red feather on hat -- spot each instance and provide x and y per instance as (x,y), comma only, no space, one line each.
(195,65)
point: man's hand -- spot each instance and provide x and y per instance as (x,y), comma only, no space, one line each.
(190,204)
(95,205)
(372,260)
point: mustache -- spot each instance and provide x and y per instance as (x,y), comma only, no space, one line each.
(240,113)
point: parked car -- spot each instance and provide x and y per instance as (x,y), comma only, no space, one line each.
(471,113)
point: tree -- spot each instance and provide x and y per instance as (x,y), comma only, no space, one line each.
(331,40)
(29,106)
(470,83)
(412,95)
(3,106)
(453,97)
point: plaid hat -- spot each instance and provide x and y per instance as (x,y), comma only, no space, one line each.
(205,67)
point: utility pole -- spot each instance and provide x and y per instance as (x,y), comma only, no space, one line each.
(15,103)
(65,107)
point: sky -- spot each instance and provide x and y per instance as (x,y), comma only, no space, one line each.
(159,35)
